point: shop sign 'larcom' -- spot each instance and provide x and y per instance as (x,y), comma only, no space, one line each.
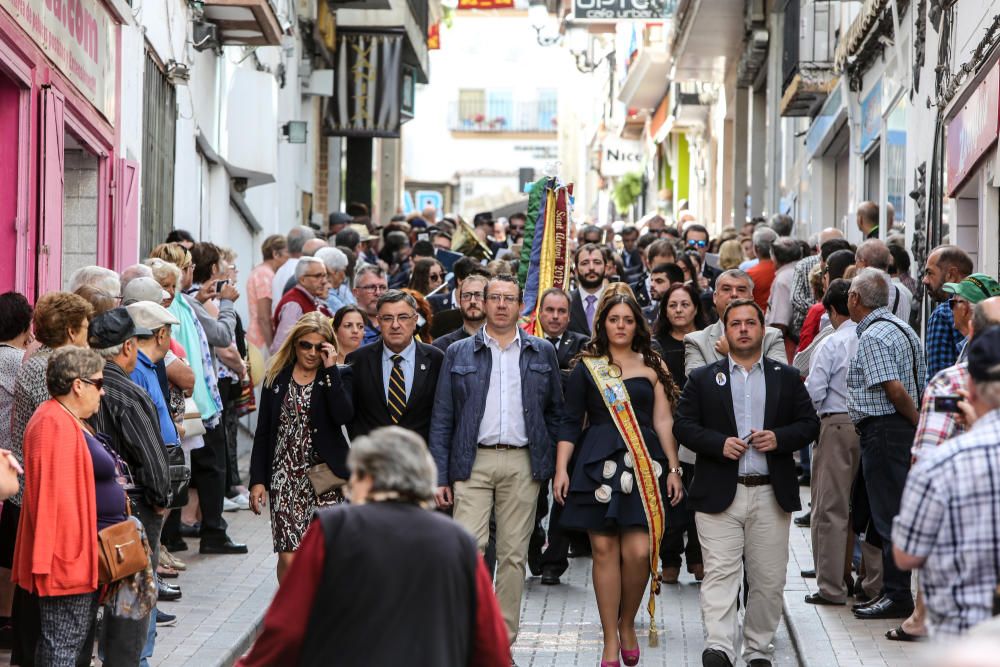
(76,35)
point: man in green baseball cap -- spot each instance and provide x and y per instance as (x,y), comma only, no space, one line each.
(966,294)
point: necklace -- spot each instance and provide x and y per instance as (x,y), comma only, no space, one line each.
(82,423)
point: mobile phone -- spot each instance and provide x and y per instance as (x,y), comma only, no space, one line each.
(946,403)
(219,284)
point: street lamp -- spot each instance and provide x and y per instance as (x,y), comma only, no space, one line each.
(540,19)
(581,45)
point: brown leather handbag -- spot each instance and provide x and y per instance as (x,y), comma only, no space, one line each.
(120,550)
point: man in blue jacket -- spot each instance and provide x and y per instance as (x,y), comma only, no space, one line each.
(496,411)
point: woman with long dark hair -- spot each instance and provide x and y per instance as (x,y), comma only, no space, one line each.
(680,313)
(427,275)
(624,464)
(349,324)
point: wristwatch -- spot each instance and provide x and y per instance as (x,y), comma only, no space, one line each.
(678,470)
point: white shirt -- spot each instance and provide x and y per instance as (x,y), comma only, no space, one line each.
(503,418)
(902,310)
(749,392)
(281,276)
(779,303)
(827,380)
(407,365)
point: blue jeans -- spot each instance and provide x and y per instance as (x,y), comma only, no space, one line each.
(885,459)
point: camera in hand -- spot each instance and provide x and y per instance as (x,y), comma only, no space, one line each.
(946,403)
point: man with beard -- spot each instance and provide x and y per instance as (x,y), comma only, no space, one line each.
(945,264)
(470,302)
(590,267)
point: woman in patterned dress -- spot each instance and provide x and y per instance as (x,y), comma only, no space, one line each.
(305,400)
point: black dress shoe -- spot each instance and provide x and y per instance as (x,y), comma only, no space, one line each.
(808,574)
(866,603)
(190,530)
(549,577)
(175,546)
(759,662)
(884,608)
(224,547)
(165,592)
(805,479)
(712,657)
(861,597)
(803,521)
(816,598)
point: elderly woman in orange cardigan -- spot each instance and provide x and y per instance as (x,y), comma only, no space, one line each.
(70,488)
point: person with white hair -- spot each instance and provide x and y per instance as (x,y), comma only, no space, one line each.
(297,238)
(99,277)
(336,271)
(133,272)
(308,295)
(884,382)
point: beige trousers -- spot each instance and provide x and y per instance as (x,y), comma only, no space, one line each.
(834,465)
(754,530)
(501,482)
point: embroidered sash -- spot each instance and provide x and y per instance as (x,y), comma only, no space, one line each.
(608,380)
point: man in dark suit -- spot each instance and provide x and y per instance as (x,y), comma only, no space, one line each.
(631,255)
(553,316)
(696,238)
(744,416)
(397,375)
(471,302)
(590,279)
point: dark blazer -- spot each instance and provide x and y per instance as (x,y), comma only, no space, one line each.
(641,293)
(701,426)
(371,410)
(577,315)
(440,301)
(569,346)
(711,273)
(444,342)
(330,408)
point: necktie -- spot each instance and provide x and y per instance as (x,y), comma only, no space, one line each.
(397,389)
(591,300)
(554,341)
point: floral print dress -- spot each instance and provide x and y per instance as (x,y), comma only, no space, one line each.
(293,499)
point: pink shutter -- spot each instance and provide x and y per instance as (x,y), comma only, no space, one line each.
(51,191)
(127,223)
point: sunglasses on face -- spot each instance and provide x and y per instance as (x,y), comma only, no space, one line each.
(436,276)
(97,384)
(697,244)
(306,346)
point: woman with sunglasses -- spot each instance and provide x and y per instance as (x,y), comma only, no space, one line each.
(427,276)
(305,400)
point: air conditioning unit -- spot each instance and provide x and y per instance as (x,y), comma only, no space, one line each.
(204,36)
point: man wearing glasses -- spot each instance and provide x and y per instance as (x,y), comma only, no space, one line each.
(369,284)
(696,238)
(312,285)
(472,304)
(496,411)
(395,376)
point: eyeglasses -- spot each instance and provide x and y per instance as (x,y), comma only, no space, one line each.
(506,298)
(517,228)
(387,320)
(98,384)
(306,346)
(471,296)
(954,302)
(435,276)
(374,289)
(699,243)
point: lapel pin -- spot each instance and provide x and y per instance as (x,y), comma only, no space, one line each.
(720,379)
(423,367)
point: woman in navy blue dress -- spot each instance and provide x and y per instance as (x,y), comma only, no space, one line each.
(596,474)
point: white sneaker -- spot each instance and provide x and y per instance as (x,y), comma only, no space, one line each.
(241,500)
(229,506)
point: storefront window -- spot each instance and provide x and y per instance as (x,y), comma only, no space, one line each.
(895,158)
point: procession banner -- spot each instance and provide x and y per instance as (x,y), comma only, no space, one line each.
(368,93)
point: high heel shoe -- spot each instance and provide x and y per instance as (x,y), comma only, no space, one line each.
(630,657)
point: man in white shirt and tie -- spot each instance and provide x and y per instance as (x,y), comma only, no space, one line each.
(836,457)
(590,269)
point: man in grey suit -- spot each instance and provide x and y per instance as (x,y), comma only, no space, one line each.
(709,345)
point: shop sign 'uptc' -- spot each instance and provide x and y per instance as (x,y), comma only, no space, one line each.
(78,37)
(973,130)
(606,11)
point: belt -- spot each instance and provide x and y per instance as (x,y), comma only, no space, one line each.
(868,421)
(831,414)
(754,480)
(499,446)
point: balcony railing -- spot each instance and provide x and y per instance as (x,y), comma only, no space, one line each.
(498,116)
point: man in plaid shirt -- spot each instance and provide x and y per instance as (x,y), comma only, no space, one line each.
(802,293)
(948,524)
(884,382)
(945,264)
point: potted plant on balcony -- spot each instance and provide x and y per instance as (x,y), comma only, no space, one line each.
(478,120)
(498,123)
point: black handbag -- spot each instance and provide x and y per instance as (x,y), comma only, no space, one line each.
(180,476)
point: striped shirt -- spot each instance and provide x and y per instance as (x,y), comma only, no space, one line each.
(128,416)
(886,350)
(935,427)
(950,515)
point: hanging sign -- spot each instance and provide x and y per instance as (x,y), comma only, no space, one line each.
(973,130)
(367,96)
(609,11)
(78,37)
(620,157)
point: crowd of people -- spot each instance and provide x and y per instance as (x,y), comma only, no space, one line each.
(400,374)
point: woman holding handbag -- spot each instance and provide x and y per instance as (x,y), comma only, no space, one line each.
(71,492)
(299,453)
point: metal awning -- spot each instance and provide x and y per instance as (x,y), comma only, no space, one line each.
(647,80)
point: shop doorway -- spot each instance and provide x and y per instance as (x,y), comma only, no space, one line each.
(80,207)
(10,118)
